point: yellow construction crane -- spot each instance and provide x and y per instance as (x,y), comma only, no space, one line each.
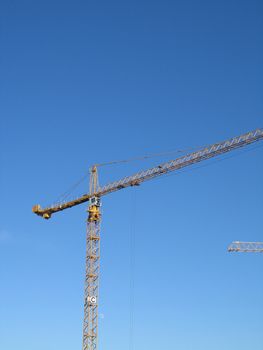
(90,324)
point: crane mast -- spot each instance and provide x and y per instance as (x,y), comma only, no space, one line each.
(91,294)
(246,247)
(91,289)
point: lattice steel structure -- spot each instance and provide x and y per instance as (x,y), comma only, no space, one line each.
(246,247)
(177,164)
(91,294)
(90,326)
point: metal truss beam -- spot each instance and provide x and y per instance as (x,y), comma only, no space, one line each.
(145,175)
(246,247)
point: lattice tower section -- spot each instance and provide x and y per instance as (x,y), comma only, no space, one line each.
(91,294)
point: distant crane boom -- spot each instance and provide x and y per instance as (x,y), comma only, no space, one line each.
(136,179)
(246,247)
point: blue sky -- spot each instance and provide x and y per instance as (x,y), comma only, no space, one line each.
(85,82)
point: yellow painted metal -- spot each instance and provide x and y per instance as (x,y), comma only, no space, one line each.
(94,213)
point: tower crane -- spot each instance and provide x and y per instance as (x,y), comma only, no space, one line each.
(246,247)
(91,290)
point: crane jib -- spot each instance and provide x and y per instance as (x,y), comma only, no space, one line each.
(176,164)
(92,257)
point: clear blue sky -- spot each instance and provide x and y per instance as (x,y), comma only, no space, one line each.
(92,81)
